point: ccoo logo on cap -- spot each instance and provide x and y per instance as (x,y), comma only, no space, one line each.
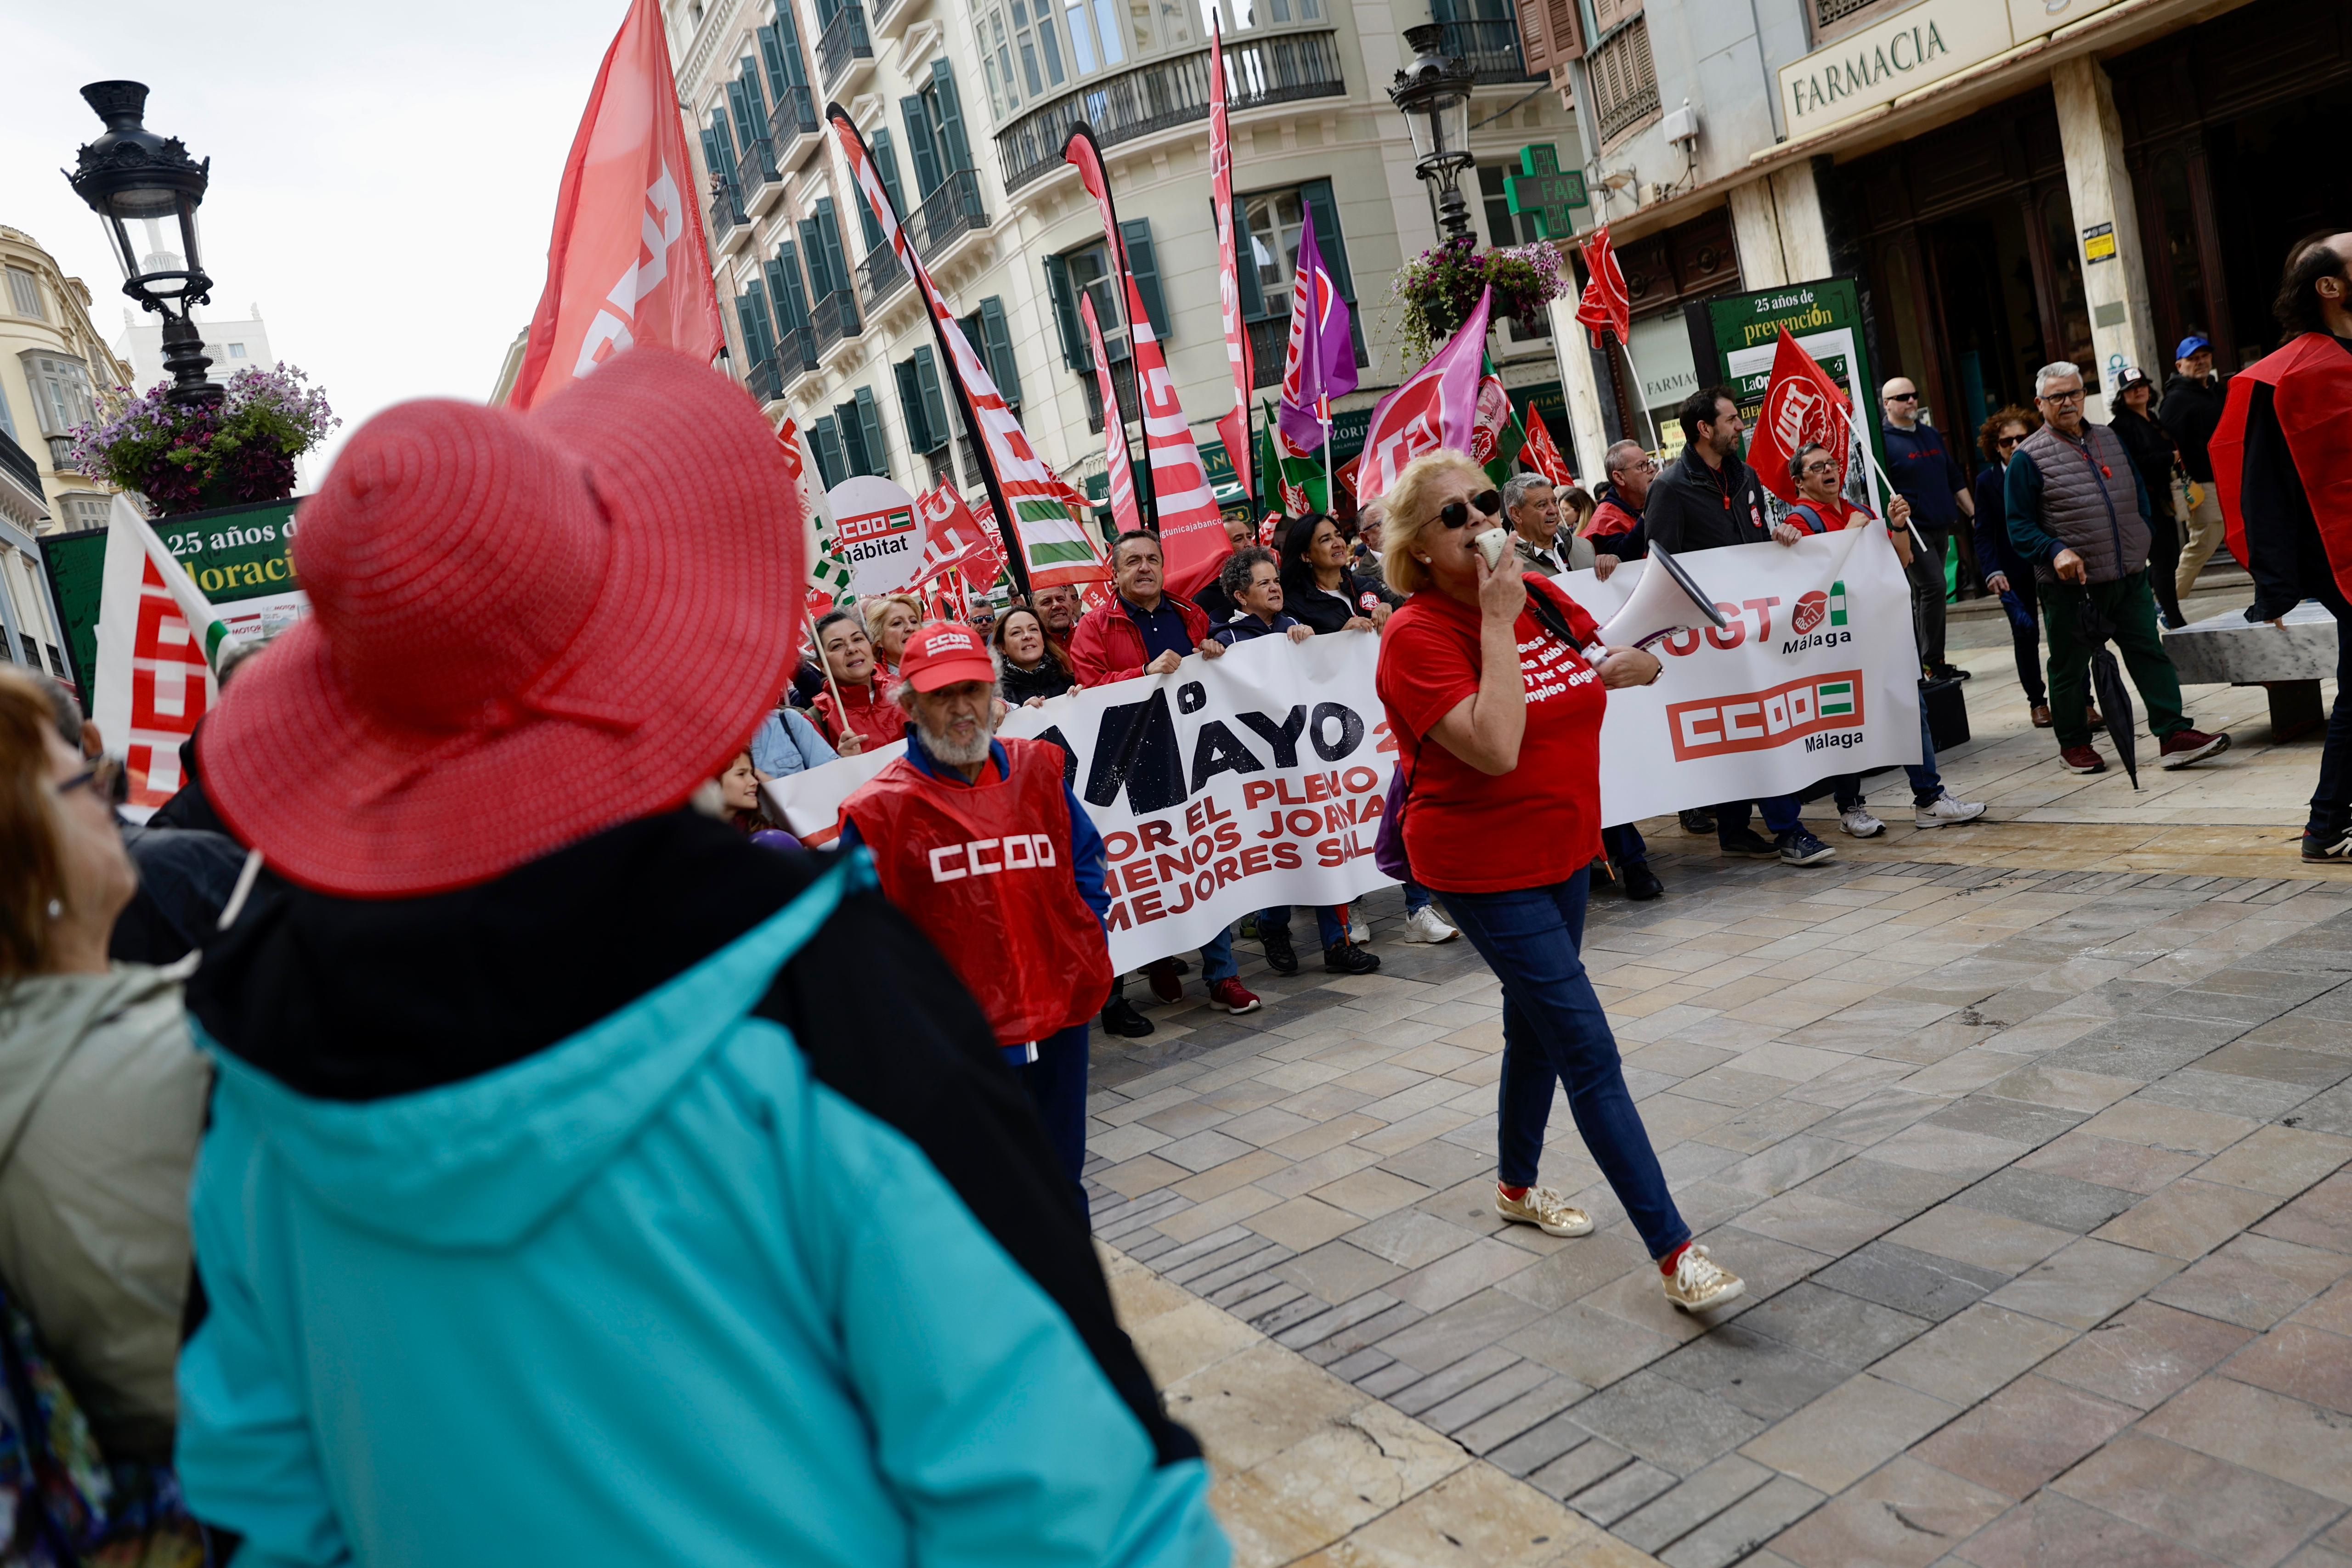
(943,653)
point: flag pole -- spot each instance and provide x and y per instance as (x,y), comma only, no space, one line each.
(1639,400)
(840,707)
(1147,494)
(1854,438)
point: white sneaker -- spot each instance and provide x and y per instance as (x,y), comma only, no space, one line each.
(1861,823)
(1699,1282)
(1359,931)
(1944,811)
(1423,926)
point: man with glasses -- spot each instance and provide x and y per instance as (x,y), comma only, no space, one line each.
(1926,474)
(2078,511)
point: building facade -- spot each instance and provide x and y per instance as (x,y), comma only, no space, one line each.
(2010,182)
(965,105)
(232,346)
(52,364)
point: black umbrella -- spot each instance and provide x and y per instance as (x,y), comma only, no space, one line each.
(2113,699)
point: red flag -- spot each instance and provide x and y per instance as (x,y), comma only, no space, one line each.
(628,264)
(1234,427)
(1296,502)
(953,541)
(1494,417)
(788,436)
(1801,408)
(1605,306)
(1545,457)
(1124,513)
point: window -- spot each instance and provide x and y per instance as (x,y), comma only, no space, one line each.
(824,446)
(24,294)
(1624,81)
(60,392)
(1274,220)
(1502,227)
(236,350)
(991,337)
(935,135)
(7,420)
(859,420)
(1035,40)
(85,511)
(920,400)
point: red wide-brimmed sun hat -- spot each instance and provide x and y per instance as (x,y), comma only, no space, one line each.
(526,628)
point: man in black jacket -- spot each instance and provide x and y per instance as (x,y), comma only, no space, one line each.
(2191,408)
(1710,498)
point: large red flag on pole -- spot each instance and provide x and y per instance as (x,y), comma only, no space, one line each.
(1605,306)
(1234,429)
(1542,456)
(1124,513)
(1802,407)
(628,263)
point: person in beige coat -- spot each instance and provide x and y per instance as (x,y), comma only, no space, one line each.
(101,1095)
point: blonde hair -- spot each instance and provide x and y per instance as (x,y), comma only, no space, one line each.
(1411,509)
(875,609)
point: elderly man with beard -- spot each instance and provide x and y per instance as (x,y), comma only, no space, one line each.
(980,842)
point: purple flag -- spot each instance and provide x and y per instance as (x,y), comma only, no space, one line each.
(1320,363)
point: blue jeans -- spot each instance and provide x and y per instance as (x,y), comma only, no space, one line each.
(1056,1082)
(1328,923)
(1554,1031)
(1416,897)
(1624,846)
(1217,957)
(1926,782)
(1780,811)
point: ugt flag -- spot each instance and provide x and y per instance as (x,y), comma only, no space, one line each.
(1436,406)
(628,264)
(1802,407)
(1320,362)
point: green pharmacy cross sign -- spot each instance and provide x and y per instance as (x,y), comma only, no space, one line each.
(1545,193)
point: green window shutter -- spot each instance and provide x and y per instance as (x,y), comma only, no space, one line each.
(813,252)
(1317,195)
(869,425)
(919,143)
(853,438)
(784,288)
(824,445)
(935,407)
(886,168)
(1145,264)
(719,123)
(718,150)
(752,316)
(870,229)
(780,52)
(951,109)
(754,99)
(1066,326)
(837,261)
(997,342)
(911,405)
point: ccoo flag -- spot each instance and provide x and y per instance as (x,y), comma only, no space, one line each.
(628,264)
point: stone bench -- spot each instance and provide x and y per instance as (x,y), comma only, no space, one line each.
(2288,661)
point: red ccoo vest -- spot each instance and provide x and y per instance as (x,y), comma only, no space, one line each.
(2312,376)
(984,870)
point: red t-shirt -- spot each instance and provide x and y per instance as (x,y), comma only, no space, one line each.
(1467,831)
(1838,514)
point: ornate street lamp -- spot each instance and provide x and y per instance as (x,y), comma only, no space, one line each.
(1433,94)
(147,190)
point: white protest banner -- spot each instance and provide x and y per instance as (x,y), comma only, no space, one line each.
(157,634)
(875,533)
(1258,778)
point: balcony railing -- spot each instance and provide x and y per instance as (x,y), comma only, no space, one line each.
(766,380)
(726,206)
(954,208)
(795,115)
(845,40)
(757,168)
(834,318)
(19,465)
(60,453)
(1163,94)
(880,275)
(1490,49)
(796,353)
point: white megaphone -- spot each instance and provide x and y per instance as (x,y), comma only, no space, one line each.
(1665,601)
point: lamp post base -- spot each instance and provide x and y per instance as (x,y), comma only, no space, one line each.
(185,357)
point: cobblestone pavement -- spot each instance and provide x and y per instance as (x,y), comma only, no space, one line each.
(2034,1175)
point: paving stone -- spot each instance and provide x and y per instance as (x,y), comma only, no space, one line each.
(2041,1198)
(1844,1329)
(2282,1161)
(1848,1432)
(1806,1217)
(1439,1339)
(1465,1272)
(1594,1347)
(1918,1283)
(2329,1113)
(1684,1508)
(2024,1435)
(2305,1363)
(1752,1370)
(2284,1438)
(1969,1356)
(1579,1468)
(2008,1120)
(1202,1150)
(1539,1446)
(1576,1269)
(2253,1280)
(2082,1283)
(2236,1514)
(1411,1238)
(1434,1388)
(1666,1423)
(1905,1514)
(1521,1414)
(1876,1186)
(1625,1489)
(2320,1217)
(1736,1533)
(1338,1271)
(1984,1238)
(2188,1218)
(1370,1307)
(2051,1530)
(1362,1364)
(2179,1128)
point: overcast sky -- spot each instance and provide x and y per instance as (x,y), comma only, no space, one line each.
(383,177)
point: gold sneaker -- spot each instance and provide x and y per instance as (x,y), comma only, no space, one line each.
(1545,1207)
(1699,1282)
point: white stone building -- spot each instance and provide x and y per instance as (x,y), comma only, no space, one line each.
(965,104)
(233,346)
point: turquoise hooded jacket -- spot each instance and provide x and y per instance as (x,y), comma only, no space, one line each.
(652,1294)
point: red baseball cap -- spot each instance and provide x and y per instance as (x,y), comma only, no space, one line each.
(942,653)
(526,628)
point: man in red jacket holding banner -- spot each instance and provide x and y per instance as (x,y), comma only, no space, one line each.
(980,842)
(2282,465)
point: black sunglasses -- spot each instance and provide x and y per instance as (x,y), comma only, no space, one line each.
(2006,442)
(1903,397)
(99,778)
(1457,514)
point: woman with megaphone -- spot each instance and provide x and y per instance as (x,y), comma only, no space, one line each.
(1484,733)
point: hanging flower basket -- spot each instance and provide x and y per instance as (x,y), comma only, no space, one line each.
(191,457)
(1439,288)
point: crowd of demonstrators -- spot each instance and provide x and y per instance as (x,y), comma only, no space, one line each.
(2077,510)
(1820,509)
(1926,473)
(1033,669)
(504,1076)
(851,712)
(2007,573)
(2294,495)
(1481,760)
(2193,399)
(2154,457)
(955,826)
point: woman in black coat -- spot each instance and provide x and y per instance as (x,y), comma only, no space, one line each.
(1315,589)
(2153,453)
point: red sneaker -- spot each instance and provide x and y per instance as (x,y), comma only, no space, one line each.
(2183,747)
(2083,759)
(1230,996)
